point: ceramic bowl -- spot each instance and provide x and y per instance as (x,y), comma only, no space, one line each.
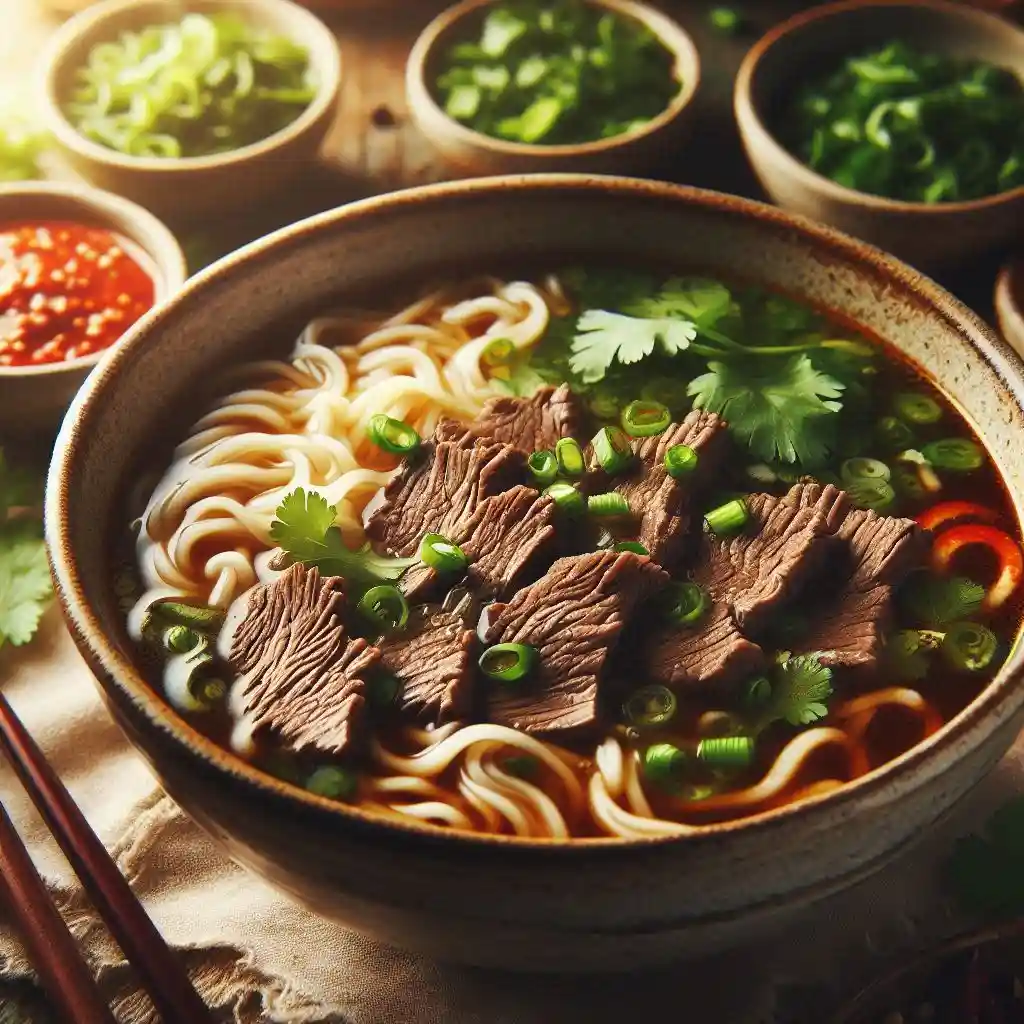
(1009,303)
(590,904)
(189,188)
(34,398)
(929,236)
(471,152)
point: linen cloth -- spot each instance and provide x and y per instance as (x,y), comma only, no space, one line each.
(256,957)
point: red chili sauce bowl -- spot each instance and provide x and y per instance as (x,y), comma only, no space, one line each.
(78,269)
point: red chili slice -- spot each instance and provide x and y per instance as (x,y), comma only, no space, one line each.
(950,513)
(1006,550)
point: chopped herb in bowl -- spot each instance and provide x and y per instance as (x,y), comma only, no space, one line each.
(199,86)
(915,126)
(556,72)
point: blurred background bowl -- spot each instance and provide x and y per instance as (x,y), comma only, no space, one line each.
(1009,303)
(926,235)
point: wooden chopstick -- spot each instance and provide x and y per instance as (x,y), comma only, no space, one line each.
(161,971)
(51,947)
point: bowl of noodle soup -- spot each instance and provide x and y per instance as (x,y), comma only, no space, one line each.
(464,617)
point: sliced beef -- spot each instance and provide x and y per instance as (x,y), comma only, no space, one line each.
(530,424)
(876,555)
(766,566)
(711,655)
(661,503)
(433,659)
(574,616)
(439,491)
(302,679)
(505,539)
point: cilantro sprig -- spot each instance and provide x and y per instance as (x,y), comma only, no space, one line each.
(797,692)
(305,529)
(25,588)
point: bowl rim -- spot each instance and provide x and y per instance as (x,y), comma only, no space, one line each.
(56,52)
(112,668)
(750,120)
(170,262)
(670,34)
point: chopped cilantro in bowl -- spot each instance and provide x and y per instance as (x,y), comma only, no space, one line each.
(554,72)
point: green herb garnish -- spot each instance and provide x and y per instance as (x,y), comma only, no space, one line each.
(911,125)
(203,85)
(800,688)
(935,601)
(557,72)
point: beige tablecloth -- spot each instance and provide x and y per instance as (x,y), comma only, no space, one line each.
(257,957)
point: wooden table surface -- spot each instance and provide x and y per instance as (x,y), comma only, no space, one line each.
(373,147)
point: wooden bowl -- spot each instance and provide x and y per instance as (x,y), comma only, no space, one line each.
(191,187)
(34,398)
(927,236)
(588,904)
(1009,303)
(470,152)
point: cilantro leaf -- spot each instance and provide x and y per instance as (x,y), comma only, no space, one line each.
(603,337)
(985,872)
(906,657)
(700,301)
(775,407)
(305,530)
(25,587)
(800,688)
(935,601)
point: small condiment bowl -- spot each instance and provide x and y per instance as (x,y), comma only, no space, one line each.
(33,398)
(1009,303)
(191,187)
(471,152)
(925,235)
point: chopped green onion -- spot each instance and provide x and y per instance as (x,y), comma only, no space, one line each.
(873,495)
(917,410)
(393,436)
(644,418)
(907,483)
(863,469)
(508,663)
(333,782)
(385,606)
(956,454)
(631,545)
(923,469)
(441,554)
(567,498)
(522,766)
(725,20)
(650,706)
(383,689)
(728,519)
(894,434)
(612,450)
(680,461)
(611,503)
(727,751)
(499,352)
(664,765)
(195,616)
(569,456)
(969,646)
(543,467)
(182,639)
(757,693)
(684,603)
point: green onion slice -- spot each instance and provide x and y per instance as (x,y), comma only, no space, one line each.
(611,503)
(393,436)
(644,418)
(567,498)
(633,546)
(612,450)
(195,616)
(570,457)
(917,410)
(757,693)
(499,352)
(650,706)
(685,603)
(864,469)
(955,454)
(508,663)
(969,646)
(664,765)
(680,461)
(543,467)
(728,519)
(182,639)
(385,606)
(873,495)
(894,434)
(726,752)
(441,554)
(333,782)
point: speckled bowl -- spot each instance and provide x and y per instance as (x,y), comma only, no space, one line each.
(586,905)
